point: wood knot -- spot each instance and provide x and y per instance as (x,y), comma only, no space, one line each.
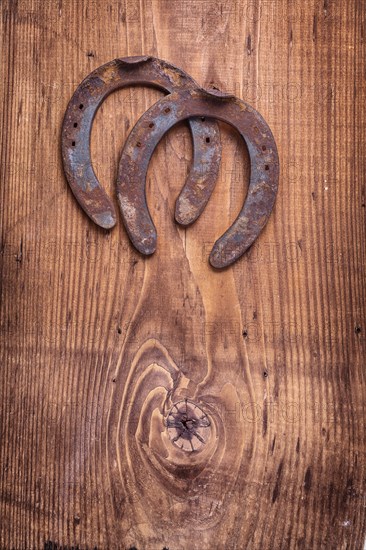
(188,426)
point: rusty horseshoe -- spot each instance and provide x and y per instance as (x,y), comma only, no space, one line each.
(139,147)
(77,125)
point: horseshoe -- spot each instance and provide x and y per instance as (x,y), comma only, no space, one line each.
(77,125)
(142,141)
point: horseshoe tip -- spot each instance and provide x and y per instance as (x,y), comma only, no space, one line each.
(221,258)
(184,217)
(216,261)
(147,249)
(187,211)
(145,243)
(106,219)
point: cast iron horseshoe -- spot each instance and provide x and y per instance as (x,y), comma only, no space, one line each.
(77,125)
(143,139)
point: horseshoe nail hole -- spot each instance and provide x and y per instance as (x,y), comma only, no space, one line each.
(81,106)
(119,330)
(208,140)
(73,143)
(264,148)
(75,124)
(266,167)
(138,144)
(203,118)
(358,329)
(151,125)
(265,374)
(167,110)
(245,333)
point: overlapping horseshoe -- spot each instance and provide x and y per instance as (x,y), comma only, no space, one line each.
(139,147)
(77,125)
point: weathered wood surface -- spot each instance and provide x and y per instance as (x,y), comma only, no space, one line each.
(97,342)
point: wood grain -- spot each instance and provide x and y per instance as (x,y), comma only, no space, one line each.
(97,343)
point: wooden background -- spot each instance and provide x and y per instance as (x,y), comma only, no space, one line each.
(96,341)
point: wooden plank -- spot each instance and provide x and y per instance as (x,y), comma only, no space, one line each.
(98,342)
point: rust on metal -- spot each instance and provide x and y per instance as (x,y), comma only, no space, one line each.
(76,132)
(264,169)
